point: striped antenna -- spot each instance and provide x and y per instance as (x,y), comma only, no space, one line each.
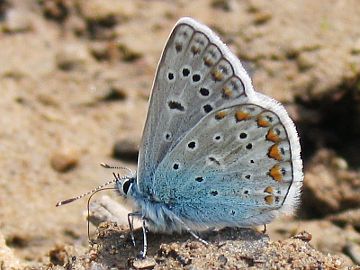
(117,178)
(107,166)
(87,193)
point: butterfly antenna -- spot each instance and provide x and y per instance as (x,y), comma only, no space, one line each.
(107,166)
(117,178)
(87,193)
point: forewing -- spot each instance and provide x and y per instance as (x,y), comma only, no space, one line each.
(196,75)
(239,166)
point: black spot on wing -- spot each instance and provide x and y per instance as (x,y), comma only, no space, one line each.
(174,105)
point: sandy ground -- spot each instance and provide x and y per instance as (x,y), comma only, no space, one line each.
(75,77)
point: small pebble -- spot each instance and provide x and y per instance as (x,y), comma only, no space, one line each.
(340,163)
(17,21)
(72,56)
(56,10)
(115,93)
(306,61)
(147,263)
(304,236)
(126,149)
(224,5)
(104,50)
(262,17)
(64,159)
(58,256)
(127,53)
(107,10)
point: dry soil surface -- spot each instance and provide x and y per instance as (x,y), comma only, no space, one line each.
(75,77)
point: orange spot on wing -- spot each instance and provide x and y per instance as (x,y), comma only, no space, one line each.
(274,152)
(208,61)
(263,121)
(269,199)
(217,75)
(269,190)
(178,47)
(275,173)
(220,115)
(241,115)
(227,92)
(272,136)
(195,50)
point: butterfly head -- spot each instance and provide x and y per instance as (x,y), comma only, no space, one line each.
(125,186)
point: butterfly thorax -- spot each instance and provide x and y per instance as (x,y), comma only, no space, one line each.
(158,215)
(144,204)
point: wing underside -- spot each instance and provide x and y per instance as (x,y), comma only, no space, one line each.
(196,75)
(213,149)
(236,167)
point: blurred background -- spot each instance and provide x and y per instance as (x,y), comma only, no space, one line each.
(75,77)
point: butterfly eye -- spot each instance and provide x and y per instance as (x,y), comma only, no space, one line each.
(126,185)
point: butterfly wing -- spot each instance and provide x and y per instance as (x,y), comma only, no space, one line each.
(215,151)
(196,76)
(239,166)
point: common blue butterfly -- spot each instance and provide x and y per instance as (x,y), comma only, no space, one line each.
(214,152)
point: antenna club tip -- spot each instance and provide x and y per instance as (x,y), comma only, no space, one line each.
(66,201)
(104,165)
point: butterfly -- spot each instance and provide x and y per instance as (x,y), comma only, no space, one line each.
(214,152)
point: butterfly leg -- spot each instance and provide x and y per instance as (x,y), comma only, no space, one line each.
(187,228)
(131,224)
(145,247)
(197,237)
